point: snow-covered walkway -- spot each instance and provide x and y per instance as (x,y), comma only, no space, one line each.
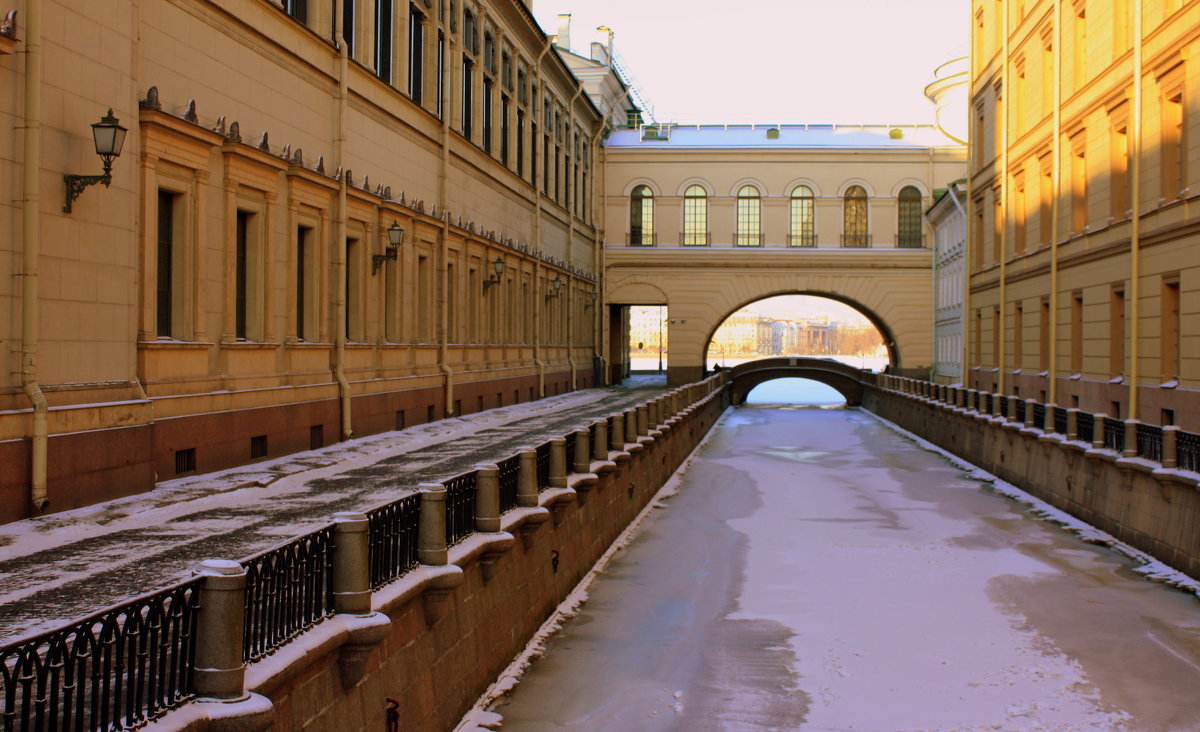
(66,565)
(818,570)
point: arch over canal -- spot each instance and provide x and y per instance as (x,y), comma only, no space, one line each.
(845,379)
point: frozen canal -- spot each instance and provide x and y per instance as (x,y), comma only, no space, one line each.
(819,571)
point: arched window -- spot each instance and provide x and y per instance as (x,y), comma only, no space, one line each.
(695,217)
(854,218)
(641,217)
(749,218)
(804,231)
(908,218)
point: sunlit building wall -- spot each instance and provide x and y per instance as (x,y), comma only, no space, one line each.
(1085,167)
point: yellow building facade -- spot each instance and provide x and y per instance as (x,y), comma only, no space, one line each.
(1084,285)
(237,292)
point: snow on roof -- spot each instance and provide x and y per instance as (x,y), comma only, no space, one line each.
(786,137)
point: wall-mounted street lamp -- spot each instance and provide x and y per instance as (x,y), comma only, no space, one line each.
(555,285)
(108,136)
(498,268)
(395,238)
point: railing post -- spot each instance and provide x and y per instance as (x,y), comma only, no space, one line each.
(1131,441)
(558,463)
(1072,423)
(1098,430)
(600,444)
(616,437)
(1048,425)
(631,426)
(1170,449)
(431,530)
(643,419)
(1012,409)
(996,404)
(351,564)
(487,497)
(220,629)
(527,484)
(1031,413)
(581,463)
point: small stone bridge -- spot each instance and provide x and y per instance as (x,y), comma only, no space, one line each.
(846,379)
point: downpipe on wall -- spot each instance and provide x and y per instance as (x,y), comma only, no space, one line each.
(339,257)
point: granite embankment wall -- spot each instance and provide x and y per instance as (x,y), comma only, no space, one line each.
(436,638)
(1152,505)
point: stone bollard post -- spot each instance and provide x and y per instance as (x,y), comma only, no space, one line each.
(1048,424)
(600,444)
(558,463)
(1012,409)
(580,462)
(616,435)
(631,426)
(220,625)
(1131,446)
(655,413)
(996,404)
(351,563)
(1072,423)
(431,529)
(643,419)
(487,497)
(1170,451)
(527,487)
(1098,431)
(1031,413)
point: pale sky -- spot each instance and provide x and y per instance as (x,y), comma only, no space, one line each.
(776,61)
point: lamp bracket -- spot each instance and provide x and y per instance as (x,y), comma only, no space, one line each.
(76,184)
(377,260)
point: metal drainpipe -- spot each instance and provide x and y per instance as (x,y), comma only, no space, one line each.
(1002,245)
(1056,189)
(571,238)
(1135,225)
(30,250)
(443,196)
(537,231)
(339,252)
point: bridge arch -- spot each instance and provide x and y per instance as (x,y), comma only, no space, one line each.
(885,332)
(845,379)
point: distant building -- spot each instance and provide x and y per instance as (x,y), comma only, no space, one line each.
(948,220)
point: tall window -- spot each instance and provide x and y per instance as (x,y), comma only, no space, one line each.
(298,9)
(1170,330)
(1079,201)
(520,144)
(1079,45)
(416,57)
(1046,209)
(749,218)
(908,218)
(384,39)
(1018,201)
(1119,169)
(1018,335)
(695,217)
(641,216)
(487,114)
(1044,336)
(1077,332)
(504,114)
(348,26)
(1173,158)
(353,291)
(1116,332)
(243,271)
(167,255)
(854,218)
(441,68)
(306,282)
(424,300)
(803,226)
(468,87)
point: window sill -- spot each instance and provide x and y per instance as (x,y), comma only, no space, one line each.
(163,344)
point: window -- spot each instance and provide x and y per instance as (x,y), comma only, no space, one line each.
(1018,335)
(996,333)
(1077,332)
(298,9)
(749,218)
(487,115)
(468,87)
(424,300)
(1046,210)
(416,57)
(1079,201)
(167,262)
(803,225)
(1018,201)
(977,136)
(244,273)
(489,53)
(504,113)
(854,218)
(1119,169)
(306,285)
(997,225)
(353,291)
(1173,160)
(1170,330)
(470,38)
(384,38)
(1116,332)
(978,234)
(348,26)
(641,216)
(695,216)
(1048,79)
(1044,336)
(520,144)
(441,66)
(908,215)
(1079,45)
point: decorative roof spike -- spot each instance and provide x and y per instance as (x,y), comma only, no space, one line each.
(387,192)
(151,100)
(189,114)
(220,128)
(262,142)
(8,26)
(337,174)
(366,183)
(321,164)
(401,199)
(350,178)
(235,132)
(286,152)
(459,222)
(298,158)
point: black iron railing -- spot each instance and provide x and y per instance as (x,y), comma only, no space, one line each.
(460,507)
(288,590)
(1114,434)
(1149,442)
(1060,420)
(543,467)
(114,670)
(510,471)
(1187,451)
(1039,415)
(392,536)
(988,402)
(570,449)
(1085,426)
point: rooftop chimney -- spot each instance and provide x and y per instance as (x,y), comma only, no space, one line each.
(602,46)
(564,31)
